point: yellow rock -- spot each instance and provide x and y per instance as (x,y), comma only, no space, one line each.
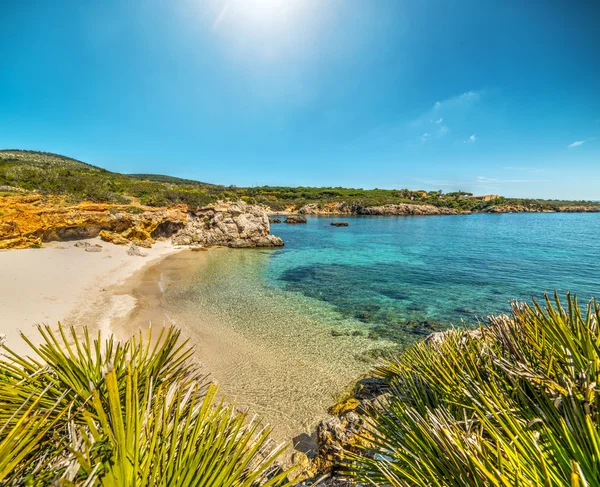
(28,220)
(344,406)
(113,237)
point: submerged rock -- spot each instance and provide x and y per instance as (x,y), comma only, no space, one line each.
(339,224)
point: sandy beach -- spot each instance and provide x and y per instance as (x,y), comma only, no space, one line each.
(61,282)
(278,362)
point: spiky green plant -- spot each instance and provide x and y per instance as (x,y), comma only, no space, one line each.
(512,404)
(135,413)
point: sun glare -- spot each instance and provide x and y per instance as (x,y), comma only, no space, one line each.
(264,17)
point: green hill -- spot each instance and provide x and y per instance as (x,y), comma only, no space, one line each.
(55,174)
(48,173)
(161,178)
(44,159)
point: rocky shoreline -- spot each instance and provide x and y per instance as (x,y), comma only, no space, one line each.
(30,221)
(406,209)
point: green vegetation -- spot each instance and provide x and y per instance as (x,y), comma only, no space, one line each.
(78,181)
(513,404)
(58,175)
(137,413)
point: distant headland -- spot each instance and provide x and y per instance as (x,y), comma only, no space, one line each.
(67,198)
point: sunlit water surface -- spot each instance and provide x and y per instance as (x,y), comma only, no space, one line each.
(284,331)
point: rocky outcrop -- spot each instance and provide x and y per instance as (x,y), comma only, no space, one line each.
(292,219)
(384,210)
(134,250)
(535,209)
(28,221)
(406,209)
(339,224)
(236,225)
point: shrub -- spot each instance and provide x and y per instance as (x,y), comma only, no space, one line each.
(515,403)
(123,414)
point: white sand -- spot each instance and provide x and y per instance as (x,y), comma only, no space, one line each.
(60,282)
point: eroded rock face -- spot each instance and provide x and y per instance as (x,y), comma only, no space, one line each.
(28,221)
(386,210)
(233,224)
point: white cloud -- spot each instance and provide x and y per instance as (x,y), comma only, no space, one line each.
(425,136)
(443,130)
(441,108)
(473,138)
(577,143)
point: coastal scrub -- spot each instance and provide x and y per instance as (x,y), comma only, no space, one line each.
(89,412)
(515,403)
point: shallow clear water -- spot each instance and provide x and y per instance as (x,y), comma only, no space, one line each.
(404,276)
(285,331)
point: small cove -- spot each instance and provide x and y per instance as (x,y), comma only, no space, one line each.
(285,332)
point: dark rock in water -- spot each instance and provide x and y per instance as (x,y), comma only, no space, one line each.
(339,224)
(295,219)
(274,220)
(370,388)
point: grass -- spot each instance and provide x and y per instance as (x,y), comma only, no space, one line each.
(512,404)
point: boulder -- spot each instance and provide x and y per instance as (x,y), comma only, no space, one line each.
(339,224)
(232,224)
(134,250)
(113,237)
(269,241)
(94,248)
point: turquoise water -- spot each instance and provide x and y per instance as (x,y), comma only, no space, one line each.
(285,331)
(400,276)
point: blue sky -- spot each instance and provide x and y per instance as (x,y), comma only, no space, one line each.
(491,97)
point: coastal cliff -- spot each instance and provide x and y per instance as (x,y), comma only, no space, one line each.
(401,209)
(382,210)
(29,221)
